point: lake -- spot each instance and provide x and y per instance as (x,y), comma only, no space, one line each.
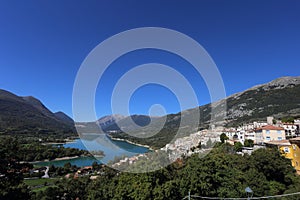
(96,142)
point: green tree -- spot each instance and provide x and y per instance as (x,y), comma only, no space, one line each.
(67,166)
(238,146)
(249,143)
(288,119)
(223,137)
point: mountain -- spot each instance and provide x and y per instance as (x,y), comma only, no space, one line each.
(20,115)
(99,125)
(126,122)
(38,105)
(112,123)
(278,98)
(109,120)
(64,118)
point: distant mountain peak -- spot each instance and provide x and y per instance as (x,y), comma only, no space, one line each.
(108,120)
(279,83)
(64,117)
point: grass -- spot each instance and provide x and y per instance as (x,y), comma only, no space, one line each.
(40,184)
(42,188)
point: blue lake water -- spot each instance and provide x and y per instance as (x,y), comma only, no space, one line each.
(96,142)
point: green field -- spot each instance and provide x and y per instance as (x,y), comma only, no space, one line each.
(40,184)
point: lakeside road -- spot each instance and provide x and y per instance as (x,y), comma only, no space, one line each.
(56,159)
(59,143)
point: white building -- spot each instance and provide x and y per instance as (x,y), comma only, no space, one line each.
(290,129)
(235,135)
(250,135)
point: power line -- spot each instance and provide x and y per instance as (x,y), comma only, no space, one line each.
(265,197)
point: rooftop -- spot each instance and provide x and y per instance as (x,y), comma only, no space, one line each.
(295,140)
(270,127)
(279,143)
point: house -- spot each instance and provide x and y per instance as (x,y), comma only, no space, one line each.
(290,129)
(233,134)
(290,149)
(295,142)
(259,139)
(250,135)
(85,170)
(284,146)
(270,133)
(259,124)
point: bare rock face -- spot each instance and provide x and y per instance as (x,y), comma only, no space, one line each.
(280,83)
(278,97)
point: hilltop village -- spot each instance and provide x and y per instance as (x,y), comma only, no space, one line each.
(283,134)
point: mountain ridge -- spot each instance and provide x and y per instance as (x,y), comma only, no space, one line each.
(278,98)
(20,115)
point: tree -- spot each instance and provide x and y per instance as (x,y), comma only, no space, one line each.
(238,146)
(288,119)
(249,143)
(67,166)
(270,161)
(223,137)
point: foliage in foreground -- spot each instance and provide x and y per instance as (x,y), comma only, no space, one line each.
(222,173)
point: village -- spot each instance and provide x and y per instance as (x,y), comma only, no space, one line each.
(250,136)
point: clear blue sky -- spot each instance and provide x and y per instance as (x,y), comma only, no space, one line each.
(43,43)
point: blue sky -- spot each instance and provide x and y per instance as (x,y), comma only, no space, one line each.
(43,43)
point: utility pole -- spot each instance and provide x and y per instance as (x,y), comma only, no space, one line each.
(189,195)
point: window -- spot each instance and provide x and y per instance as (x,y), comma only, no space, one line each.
(279,132)
(279,138)
(286,150)
(268,138)
(268,131)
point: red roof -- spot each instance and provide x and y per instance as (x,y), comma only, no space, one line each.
(270,127)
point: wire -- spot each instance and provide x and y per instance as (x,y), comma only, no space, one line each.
(265,197)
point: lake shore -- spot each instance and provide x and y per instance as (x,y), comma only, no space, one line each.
(56,159)
(128,141)
(60,143)
(83,160)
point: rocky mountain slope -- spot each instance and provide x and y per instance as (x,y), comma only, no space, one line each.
(278,98)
